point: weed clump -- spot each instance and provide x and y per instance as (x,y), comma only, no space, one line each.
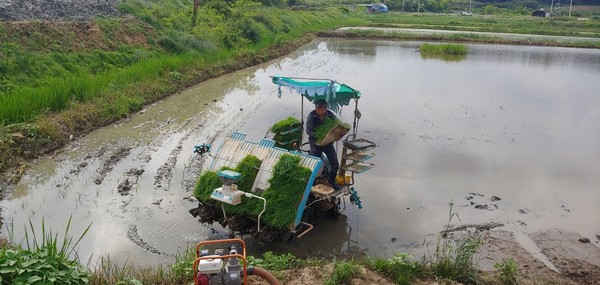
(399,268)
(507,271)
(343,272)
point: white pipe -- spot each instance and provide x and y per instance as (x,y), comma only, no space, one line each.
(224,213)
(264,205)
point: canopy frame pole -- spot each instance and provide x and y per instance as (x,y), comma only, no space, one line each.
(356,118)
(307,78)
(301,120)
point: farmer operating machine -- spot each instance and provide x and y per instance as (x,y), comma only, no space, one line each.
(273,188)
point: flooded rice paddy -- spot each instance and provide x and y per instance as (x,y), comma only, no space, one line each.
(518,123)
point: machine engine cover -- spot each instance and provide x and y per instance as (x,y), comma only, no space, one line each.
(210,266)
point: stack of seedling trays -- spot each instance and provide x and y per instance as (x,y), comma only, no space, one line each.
(288,133)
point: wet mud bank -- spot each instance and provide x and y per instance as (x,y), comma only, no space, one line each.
(552,255)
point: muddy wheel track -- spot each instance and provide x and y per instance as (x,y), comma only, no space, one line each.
(132,234)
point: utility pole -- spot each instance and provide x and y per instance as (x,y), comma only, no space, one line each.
(551,6)
(570,6)
(471,2)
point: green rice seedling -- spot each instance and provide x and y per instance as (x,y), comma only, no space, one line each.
(283,196)
(343,272)
(248,168)
(444,49)
(287,187)
(207,182)
(284,125)
(329,124)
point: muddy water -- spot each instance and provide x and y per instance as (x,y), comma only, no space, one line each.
(518,123)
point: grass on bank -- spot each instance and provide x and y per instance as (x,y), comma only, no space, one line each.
(48,259)
(480,23)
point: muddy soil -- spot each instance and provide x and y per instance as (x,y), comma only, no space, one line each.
(551,255)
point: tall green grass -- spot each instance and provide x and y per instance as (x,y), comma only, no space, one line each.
(26,103)
(454,259)
(110,272)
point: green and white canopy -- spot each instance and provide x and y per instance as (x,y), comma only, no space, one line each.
(334,93)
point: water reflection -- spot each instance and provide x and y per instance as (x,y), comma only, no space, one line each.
(443,57)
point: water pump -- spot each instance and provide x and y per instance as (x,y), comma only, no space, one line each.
(219,271)
(221,268)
